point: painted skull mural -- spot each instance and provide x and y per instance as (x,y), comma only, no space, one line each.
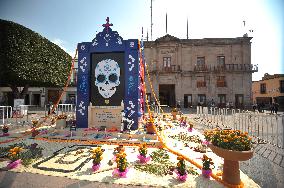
(107,74)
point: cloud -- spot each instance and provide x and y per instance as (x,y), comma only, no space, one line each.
(62,45)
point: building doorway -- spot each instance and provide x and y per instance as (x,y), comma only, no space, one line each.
(187,100)
(36,99)
(167,94)
(239,101)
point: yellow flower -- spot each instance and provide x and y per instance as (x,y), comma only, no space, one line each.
(180,157)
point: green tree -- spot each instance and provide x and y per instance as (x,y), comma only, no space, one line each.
(28,59)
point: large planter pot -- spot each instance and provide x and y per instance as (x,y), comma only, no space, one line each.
(231,167)
(143,159)
(5,130)
(150,128)
(14,164)
(60,123)
(96,167)
(117,173)
(206,173)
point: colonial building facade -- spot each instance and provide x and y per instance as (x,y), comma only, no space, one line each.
(200,71)
(268,90)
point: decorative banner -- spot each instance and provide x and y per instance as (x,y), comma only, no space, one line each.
(107,79)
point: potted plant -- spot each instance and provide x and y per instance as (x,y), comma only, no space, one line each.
(174,113)
(34,132)
(34,123)
(233,146)
(14,156)
(5,130)
(142,153)
(190,127)
(121,164)
(206,166)
(181,169)
(97,157)
(150,126)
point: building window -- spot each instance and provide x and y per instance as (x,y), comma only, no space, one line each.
(221,61)
(167,62)
(222,100)
(221,81)
(201,81)
(281,86)
(200,61)
(263,88)
(201,99)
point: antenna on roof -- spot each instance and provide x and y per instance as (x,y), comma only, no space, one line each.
(166,23)
(187,28)
(151,20)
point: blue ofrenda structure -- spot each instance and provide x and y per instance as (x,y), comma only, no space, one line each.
(105,43)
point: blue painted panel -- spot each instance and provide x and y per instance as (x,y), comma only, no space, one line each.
(83,47)
(131,83)
(82,111)
(83,100)
(132,44)
(84,63)
(83,84)
(131,62)
(107,41)
(131,112)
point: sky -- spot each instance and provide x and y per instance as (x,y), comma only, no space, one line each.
(68,22)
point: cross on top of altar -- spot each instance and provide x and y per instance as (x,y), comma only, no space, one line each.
(107,25)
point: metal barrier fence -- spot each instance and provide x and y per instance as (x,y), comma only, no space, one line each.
(68,109)
(264,127)
(5,113)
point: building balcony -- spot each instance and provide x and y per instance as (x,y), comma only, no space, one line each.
(221,83)
(200,84)
(200,68)
(171,69)
(226,68)
(235,67)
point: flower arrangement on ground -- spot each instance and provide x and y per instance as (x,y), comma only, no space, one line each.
(190,127)
(142,153)
(62,116)
(34,123)
(174,113)
(229,139)
(14,156)
(97,157)
(206,166)
(181,169)
(121,164)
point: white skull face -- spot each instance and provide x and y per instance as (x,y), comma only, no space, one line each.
(107,75)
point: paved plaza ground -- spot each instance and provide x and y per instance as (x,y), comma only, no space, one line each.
(266,168)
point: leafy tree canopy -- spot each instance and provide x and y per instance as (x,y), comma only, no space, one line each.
(26,58)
